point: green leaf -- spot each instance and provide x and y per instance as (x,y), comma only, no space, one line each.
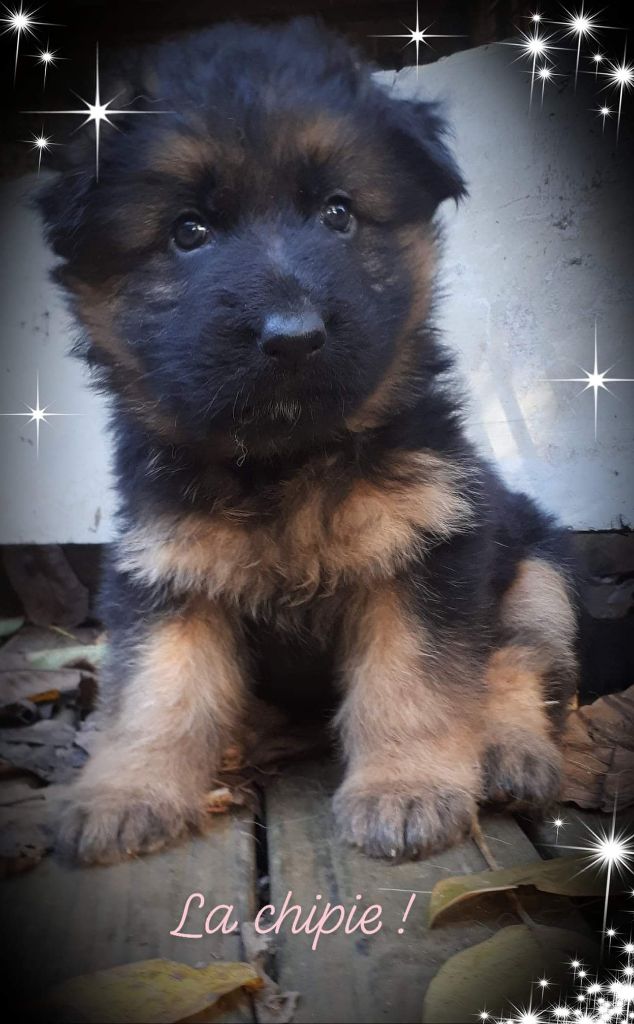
(566,876)
(501,972)
(149,992)
(10,626)
(59,657)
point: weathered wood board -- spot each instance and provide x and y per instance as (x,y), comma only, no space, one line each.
(67,921)
(63,921)
(382,977)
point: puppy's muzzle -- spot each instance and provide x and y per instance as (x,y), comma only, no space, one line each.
(292,338)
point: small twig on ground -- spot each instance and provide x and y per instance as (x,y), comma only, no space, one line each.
(492,863)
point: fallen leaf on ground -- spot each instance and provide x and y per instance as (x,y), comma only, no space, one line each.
(222,799)
(22,681)
(232,759)
(501,971)
(598,749)
(90,655)
(10,626)
(564,876)
(24,840)
(47,749)
(149,992)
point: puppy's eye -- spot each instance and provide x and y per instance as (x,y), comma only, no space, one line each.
(190,232)
(336,214)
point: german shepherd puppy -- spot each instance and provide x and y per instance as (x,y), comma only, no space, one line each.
(253,272)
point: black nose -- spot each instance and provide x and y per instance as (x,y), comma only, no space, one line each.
(292,337)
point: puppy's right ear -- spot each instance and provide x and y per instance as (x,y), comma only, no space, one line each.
(62,204)
(64,200)
(418,134)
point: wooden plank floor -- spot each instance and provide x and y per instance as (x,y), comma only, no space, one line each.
(67,921)
(382,977)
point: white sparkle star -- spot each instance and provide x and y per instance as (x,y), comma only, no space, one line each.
(38,414)
(621,77)
(536,17)
(611,851)
(594,380)
(604,112)
(534,45)
(526,1015)
(597,58)
(558,823)
(42,144)
(546,73)
(417,36)
(47,58)
(582,25)
(22,23)
(96,112)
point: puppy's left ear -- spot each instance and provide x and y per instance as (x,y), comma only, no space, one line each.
(419,133)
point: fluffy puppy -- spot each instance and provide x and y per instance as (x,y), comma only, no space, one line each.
(253,272)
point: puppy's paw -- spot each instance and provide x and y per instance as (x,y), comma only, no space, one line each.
(103,825)
(523,771)
(398,821)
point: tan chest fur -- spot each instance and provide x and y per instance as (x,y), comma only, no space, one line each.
(313,546)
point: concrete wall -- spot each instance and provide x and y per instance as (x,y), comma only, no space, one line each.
(541,249)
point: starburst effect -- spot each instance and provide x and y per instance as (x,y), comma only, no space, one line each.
(558,823)
(597,59)
(418,36)
(610,851)
(20,22)
(595,380)
(535,46)
(604,113)
(38,414)
(546,73)
(42,144)
(608,1000)
(97,112)
(576,31)
(582,26)
(48,59)
(621,77)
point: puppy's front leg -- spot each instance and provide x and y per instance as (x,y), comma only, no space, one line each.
(411,733)
(181,695)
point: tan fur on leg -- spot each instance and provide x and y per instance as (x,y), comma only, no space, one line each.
(529,683)
(413,761)
(145,783)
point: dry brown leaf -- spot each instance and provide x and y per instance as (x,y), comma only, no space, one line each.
(222,799)
(149,992)
(563,876)
(599,753)
(232,759)
(271,1004)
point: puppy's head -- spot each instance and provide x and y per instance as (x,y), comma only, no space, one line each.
(256,254)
